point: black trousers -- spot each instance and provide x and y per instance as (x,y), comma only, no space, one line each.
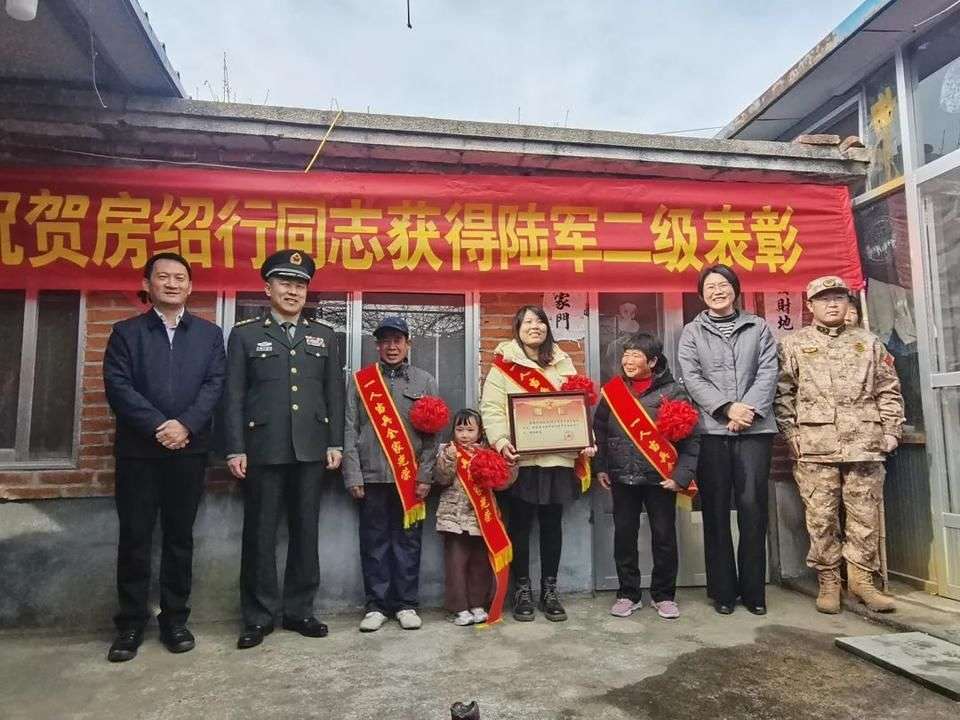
(267,489)
(629,502)
(519,523)
(172,487)
(741,466)
(389,553)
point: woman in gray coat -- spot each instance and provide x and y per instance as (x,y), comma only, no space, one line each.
(729,363)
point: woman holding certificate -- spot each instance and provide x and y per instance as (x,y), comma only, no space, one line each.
(533,363)
(729,363)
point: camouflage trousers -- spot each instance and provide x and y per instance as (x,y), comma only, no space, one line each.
(859,486)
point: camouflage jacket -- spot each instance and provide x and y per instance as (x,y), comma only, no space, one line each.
(838,394)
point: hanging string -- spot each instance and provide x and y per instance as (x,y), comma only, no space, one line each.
(409,24)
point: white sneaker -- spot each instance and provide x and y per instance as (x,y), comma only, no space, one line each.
(372,621)
(408,619)
(464,617)
(479,615)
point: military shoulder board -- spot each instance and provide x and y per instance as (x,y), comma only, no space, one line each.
(247,321)
(323,322)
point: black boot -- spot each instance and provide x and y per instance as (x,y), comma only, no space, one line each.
(550,601)
(523,610)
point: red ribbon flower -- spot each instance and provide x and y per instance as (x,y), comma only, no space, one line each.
(581,383)
(429,414)
(489,470)
(676,419)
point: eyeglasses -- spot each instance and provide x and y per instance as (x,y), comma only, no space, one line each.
(714,287)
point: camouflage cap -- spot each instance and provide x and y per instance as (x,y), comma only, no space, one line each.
(827,282)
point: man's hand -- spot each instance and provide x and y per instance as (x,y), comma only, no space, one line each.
(890,443)
(589,451)
(173,435)
(670,485)
(741,413)
(334,458)
(422,490)
(509,452)
(604,480)
(238,466)
(356,492)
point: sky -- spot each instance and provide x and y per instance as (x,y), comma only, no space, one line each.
(631,65)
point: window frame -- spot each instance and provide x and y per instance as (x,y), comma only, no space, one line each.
(17,457)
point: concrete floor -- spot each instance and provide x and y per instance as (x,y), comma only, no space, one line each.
(594,666)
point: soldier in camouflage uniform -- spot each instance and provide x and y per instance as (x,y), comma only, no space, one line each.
(839,405)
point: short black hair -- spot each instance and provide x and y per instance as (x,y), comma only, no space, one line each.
(176,257)
(728,274)
(647,343)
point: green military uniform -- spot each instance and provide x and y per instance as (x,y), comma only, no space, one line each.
(837,396)
(284,410)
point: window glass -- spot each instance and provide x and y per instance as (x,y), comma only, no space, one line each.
(936,95)
(11,330)
(330,307)
(621,315)
(437,330)
(885,255)
(883,127)
(940,205)
(55,375)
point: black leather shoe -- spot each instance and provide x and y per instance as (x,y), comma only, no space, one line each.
(523,608)
(308,626)
(723,608)
(125,645)
(178,639)
(550,604)
(253,635)
(757,609)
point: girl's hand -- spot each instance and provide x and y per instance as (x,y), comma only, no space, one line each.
(451,451)
(604,480)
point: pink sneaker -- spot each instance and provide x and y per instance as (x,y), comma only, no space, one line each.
(667,609)
(625,607)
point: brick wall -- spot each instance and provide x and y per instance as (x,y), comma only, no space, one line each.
(93,474)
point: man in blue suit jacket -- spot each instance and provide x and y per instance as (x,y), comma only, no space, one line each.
(163,372)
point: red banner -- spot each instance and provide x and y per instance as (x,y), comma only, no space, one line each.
(94,228)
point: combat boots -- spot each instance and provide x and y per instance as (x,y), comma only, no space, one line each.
(550,601)
(860,585)
(828,599)
(523,609)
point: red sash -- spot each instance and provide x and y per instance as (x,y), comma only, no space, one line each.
(643,431)
(392,434)
(494,533)
(531,380)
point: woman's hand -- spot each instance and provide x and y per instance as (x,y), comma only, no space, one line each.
(604,480)
(509,452)
(670,485)
(589,451)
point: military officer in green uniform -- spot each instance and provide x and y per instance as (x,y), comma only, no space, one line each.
(284,428)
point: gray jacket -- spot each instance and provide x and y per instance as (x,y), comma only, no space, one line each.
(717,371)
(363,458)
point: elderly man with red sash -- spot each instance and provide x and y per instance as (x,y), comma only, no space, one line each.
(646,454)
(388,468)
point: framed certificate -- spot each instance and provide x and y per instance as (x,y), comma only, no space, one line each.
(549,422)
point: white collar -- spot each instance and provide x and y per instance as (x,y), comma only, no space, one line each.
(164,319)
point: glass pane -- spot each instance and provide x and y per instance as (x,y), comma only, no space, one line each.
(11,330)
(940,205)
(331,307)
(936,62)
(885,254)
(950,407)
(437,330)
(883,127)
(55,378)
(621,315)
